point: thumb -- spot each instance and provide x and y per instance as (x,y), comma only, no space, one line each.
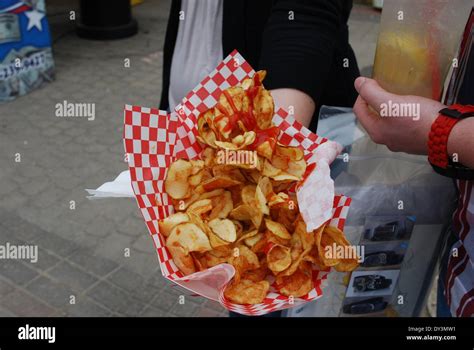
(372,93)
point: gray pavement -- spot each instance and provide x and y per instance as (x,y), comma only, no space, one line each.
(83,267)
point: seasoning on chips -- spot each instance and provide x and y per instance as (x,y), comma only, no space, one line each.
(243,213)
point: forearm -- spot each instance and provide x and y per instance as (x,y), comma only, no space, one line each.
(296,102)
(461,142)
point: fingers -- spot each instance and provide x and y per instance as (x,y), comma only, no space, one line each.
(372,93)
(369,120)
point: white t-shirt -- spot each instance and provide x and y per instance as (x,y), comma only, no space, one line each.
(198,48)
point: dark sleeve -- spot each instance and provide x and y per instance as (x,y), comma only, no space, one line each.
(170,41)
(299,53)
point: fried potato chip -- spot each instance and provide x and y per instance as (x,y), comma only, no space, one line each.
(252,241)
(211,194)
(176,183)
(212,259)
(278,258)
(321,245)
(291,153)
(243,259)
(219,182)
(199,261)
(248,234)
(261,201)
(243,212)
(266,187)
(269,170)
(208,156)
(207,135)
(190,237)
(224,229)
(238,142)
(201,206)
(197,220)
(336,235)
(277,229)
(307,238)
(216,241)
(280,162)
(263,108)
(228,171)
(297,168)
(183,260)
(256,80)
(298,284)
(256,275)
(222,206)
(247,292)
(333,235)
(279,198)
(286,177)
(168,223)
(347,265)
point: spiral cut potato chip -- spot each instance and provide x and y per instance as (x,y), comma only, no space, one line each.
(243,212)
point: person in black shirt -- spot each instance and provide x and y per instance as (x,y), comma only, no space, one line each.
(302,44)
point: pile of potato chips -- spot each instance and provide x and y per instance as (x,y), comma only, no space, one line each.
(237,203)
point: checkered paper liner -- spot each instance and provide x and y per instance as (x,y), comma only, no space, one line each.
(154,139)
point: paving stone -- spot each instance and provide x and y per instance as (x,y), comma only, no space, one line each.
(6,313)
(22,304)
(134,283)
(85,307)
(55,294)
(93,263)
(17,271)
(165,301)
(5,288)
(184,310)
(59,245)
(152,312)
(99,226)
(45,260)
(8,186)
(72,276)
(116,299)
(35,186)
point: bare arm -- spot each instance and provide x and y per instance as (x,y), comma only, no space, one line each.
(302,104)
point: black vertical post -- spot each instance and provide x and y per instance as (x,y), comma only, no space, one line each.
(106,19)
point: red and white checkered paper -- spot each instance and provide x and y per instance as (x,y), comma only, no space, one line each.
(154,139)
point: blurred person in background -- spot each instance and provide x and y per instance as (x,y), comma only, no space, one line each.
(441,137)
(302,44)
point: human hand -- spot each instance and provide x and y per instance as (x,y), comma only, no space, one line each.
(402,123)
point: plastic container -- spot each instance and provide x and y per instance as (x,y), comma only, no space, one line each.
(418,42)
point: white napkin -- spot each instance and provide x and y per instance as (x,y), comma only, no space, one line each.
(120,187)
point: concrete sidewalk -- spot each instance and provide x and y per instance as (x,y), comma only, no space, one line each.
(83,245)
